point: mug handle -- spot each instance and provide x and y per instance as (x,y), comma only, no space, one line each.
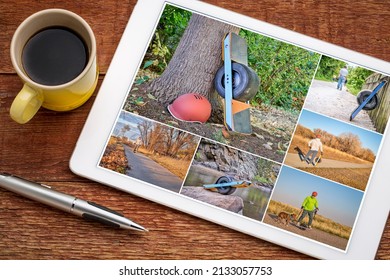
(26,104)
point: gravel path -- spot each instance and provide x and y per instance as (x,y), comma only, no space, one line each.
(326,99)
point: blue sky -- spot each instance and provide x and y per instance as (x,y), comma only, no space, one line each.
(368,138)
(335,201)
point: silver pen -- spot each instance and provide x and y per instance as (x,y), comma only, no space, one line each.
(65,202)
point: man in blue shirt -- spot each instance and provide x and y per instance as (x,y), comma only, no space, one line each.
(342,78)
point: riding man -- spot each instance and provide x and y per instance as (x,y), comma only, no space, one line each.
(315,146)
(138,143)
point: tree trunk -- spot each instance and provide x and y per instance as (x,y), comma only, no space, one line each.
(194,63)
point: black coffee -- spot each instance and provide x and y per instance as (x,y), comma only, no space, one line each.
(54,56)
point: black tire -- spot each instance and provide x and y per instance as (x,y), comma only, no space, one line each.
(372,104)
(245,82)
(225,190)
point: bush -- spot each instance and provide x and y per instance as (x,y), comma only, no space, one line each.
(285,71)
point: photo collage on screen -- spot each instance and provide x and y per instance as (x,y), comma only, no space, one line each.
(295,150)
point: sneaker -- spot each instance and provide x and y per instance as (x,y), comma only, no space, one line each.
(309,227)
(298,224)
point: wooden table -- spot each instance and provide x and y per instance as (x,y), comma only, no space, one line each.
(41,149)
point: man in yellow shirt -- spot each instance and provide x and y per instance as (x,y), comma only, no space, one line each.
(309,207)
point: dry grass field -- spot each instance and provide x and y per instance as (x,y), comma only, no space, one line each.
(353,177)
(114,158)
(179,167)
(329,153)
(321,223)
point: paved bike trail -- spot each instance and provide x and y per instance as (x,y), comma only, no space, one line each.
(146,169)
(294,161)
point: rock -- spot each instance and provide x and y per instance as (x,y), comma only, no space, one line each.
(229,202)
(227,160)
(211,165)
(259,136)
(267,146)
(274,121)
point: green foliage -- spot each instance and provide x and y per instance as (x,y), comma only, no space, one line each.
(266,172)
(141,80)
(218,136)
(148,63)
(169,31)
(285,71)
(260,179)
(356,79)
(329,68)
(198,156)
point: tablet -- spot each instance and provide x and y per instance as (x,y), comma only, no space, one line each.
(245,124)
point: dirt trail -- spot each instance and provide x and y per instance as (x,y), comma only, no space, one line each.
(326,99)
(314,234)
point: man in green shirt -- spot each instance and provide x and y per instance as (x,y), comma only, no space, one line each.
(309,207)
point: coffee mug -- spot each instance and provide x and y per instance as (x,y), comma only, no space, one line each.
(54,53)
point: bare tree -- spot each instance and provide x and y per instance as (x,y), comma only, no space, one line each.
(125,129)
(350,143)
(181,140)
(155,136)
(144,129)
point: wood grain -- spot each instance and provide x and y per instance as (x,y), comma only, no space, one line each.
(41,149)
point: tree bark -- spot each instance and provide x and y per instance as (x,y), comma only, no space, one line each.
(194,63)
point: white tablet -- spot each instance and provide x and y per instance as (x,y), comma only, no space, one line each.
(245,124)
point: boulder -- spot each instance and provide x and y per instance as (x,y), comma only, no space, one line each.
(229,202)
(227,160)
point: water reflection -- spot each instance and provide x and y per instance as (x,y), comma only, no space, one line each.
(255,198)
(255,201)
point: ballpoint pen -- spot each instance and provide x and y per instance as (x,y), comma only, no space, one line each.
(65,202)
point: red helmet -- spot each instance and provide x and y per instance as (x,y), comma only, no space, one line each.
(190,107)
(314,194)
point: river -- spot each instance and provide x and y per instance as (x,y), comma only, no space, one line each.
(255,198)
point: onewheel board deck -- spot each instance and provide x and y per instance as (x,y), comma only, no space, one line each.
(234,120)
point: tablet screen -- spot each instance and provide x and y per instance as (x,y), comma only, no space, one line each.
(294,150)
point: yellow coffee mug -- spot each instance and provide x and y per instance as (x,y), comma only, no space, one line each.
(67,95)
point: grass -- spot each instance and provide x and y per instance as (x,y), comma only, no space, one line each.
(329,153)
(114,158)
(354,177)
(320,222)
(178,167)
(218,136)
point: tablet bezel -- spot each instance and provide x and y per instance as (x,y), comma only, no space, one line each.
(365,239)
